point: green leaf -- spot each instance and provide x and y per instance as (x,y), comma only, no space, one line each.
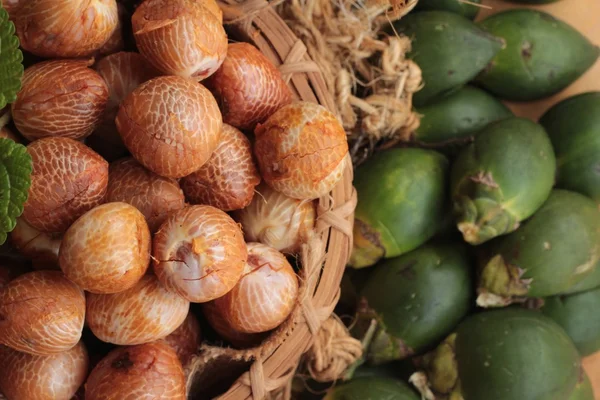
(15,178)
(11,61)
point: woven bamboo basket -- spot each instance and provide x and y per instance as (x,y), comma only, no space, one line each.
(256,373)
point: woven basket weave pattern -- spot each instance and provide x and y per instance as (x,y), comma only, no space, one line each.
(272,365)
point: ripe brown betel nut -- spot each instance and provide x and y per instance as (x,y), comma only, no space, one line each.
(68,179)
(171,125)
(60,98)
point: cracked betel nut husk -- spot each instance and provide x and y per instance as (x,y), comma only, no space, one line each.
(501,178)
(150,370)
(402,294)
(199,253)
(552,251)
(302,150)
(542,55)
(503,354)
(401,203)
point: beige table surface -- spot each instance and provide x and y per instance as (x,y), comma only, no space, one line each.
(585,16)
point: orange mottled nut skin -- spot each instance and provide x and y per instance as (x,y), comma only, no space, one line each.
(142,314)
(41,313)
(107,250)
(228,179)
(248,87)
(55,377)
(156,197)
(60,98)
(185,339)
(199,253)
(122,72)
(279,221)
(65,28)
(265,295)
(115,42)
(144,372)
(171,125)
(302,150)
(223,328)
(39,247)
(181,37)
(68,180)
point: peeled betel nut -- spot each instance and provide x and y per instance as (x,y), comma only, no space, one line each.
(107,250)
(199,253)
(65,28)
(171,125)
(277,220)
(123,72)
(68,179)
(156,197)
(141,314)
(62,98)
(302,150)
(146,371)
(248,87)
(40,247)
(223,328)
(185,339)
(41,313)
(54,377)
(228,178)
(181,37)
(265,294)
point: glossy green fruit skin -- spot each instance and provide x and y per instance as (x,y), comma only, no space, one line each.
(450,49)
(401,203)
(405,293)
(455,6)
(372,388)
(558,247)
(400,369)
(574,129)
(512,354)
(501,178)
(579,315)
(458,116)
(583,390)
(542,56)
(592,281)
